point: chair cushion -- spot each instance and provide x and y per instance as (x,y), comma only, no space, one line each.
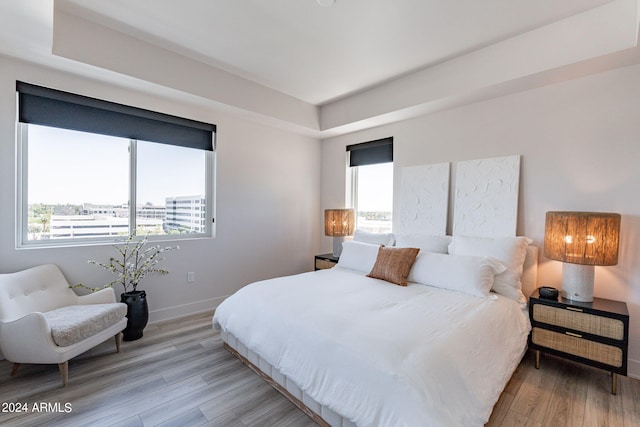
(72,324)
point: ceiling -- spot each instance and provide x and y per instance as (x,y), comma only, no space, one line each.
(319,55)
(316,53)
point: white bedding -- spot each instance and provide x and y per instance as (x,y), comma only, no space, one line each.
(380,354)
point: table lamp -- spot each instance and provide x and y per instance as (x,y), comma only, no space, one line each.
(581,240)
(338,223)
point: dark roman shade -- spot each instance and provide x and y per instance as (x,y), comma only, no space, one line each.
(371,153)
(49,107)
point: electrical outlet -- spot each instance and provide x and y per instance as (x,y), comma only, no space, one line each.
(191,277)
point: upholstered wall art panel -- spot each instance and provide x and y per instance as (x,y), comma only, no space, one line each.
(486,197)
(424,199)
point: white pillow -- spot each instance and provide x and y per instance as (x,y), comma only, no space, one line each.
(424,242)
(358,256)
(469,274)
(511,251)
(386,239)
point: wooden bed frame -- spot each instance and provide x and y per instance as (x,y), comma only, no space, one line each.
(315,417)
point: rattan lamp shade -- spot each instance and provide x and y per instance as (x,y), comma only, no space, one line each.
(339,222)
(587,238)
(581,240)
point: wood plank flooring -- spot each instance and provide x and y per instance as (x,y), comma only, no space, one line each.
(178,374)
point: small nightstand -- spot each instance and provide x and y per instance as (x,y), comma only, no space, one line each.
(325,261)
(594,333)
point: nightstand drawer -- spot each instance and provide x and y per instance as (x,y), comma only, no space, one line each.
(591,350)
(322,264)
(579,321)
(325,261)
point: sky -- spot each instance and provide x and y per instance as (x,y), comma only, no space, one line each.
(375,187)
(75,167)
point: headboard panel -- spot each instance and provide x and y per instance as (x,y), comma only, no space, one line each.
(486,197)
(485,203)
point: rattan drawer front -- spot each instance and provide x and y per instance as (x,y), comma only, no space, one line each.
(591,350)
(578,321)
(322,264)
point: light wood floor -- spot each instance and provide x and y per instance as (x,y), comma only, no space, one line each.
(178,374)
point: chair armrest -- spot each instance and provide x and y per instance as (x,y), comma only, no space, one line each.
(36,348)
(103,296)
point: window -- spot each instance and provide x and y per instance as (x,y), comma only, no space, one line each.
(171,182)
(94,171)
(371,170)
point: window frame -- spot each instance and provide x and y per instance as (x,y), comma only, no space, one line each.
(22,202)
(353,193)
(374,152)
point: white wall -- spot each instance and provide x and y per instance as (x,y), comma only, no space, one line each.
(580,147)
(268,210)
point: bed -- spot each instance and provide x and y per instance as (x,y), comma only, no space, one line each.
(349,349)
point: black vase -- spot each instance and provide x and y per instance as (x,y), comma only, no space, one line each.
(137,314)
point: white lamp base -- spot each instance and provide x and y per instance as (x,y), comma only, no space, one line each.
(577,282)
(337,246)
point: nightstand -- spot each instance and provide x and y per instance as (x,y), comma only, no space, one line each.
(594,333)
(325,261)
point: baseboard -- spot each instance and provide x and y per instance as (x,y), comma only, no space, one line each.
(633,368)
(183,310)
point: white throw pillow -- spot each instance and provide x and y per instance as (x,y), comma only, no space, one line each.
(386,239)
(469,274)
(358,256)
(424,242)
(511,251)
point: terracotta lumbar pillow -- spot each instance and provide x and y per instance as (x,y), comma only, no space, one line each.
(394,264)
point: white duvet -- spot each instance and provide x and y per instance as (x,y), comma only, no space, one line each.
(381,354)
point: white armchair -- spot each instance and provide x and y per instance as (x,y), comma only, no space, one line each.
(43,321)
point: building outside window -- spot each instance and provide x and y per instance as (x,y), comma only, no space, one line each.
(184,214)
